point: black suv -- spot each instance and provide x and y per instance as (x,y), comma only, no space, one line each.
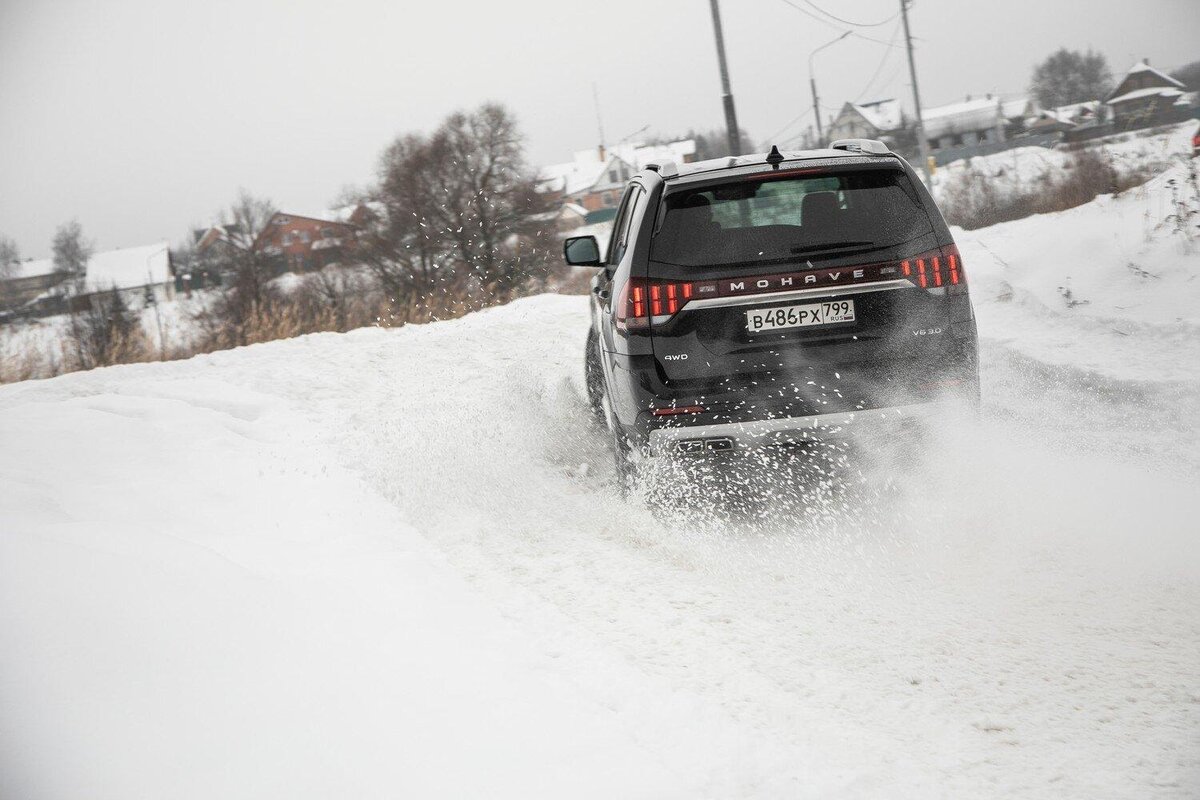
(773,299)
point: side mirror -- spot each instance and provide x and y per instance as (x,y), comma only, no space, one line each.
(582,251)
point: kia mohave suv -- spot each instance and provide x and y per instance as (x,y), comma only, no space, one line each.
(769,299)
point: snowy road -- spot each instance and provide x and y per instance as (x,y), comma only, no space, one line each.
(393,563)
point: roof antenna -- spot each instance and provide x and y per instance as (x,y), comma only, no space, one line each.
(774,157)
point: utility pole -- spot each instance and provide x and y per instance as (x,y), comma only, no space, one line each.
(922,144)
(735,139)
(599,119)
(812,82)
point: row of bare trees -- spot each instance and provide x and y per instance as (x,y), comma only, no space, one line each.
(456,224)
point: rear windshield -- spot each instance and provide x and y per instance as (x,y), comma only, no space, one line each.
(776,219)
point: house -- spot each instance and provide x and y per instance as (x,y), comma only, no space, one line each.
(1016,112)
(971,122)
(595,179)
(881,119)
(142,275)
(28,280)
(303,242)
(1146,96)
(1065,119)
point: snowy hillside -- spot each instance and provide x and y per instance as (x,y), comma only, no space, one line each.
(393,564)
(1026,168)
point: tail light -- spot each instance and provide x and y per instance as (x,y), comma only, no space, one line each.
(643,301)
(937,268)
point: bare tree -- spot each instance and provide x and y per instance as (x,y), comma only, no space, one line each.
(71,251)
(10,255)
(403,245)
(459,203)
(712,143)
(1189,76)
(106,331)
(247,296)
(1069,76)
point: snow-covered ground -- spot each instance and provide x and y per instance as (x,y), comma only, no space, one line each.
(392,563)
(1025,169)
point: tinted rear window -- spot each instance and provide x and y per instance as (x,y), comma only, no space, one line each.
(773,220)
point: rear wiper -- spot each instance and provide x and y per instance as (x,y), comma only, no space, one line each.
(814,248)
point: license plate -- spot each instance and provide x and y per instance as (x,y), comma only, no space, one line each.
(773,319)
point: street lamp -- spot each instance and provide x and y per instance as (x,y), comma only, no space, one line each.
(812,81)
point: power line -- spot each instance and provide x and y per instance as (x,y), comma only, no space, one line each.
(799,117)
(886,55)
(836,27)
(848,22)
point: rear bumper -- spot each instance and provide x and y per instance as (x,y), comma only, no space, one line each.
(885,423)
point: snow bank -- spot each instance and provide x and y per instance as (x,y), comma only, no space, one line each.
(196,603)
(1113,285)
(1025,168)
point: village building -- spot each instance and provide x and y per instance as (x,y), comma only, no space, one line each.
(1067,119)
(305,242)
(1147,96)
(142,276)
(970,122)
(595,179)
(881,119)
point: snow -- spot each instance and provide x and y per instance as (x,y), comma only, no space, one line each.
(129,267)
(393,563)
(573,177)
(1142,66)
(969,115)
(884,114)
(33,266)
(1023,167)
(124,268)
(1149,91)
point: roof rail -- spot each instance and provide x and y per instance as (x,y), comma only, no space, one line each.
(868,146)
(667,169)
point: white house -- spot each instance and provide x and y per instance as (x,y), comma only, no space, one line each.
(142,275)
(867,120)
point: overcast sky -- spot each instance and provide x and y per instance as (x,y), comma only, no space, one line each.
(143,117)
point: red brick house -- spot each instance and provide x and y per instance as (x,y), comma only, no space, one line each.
(307,242)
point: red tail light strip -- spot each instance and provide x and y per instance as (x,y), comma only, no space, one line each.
(670,412)
(643,300)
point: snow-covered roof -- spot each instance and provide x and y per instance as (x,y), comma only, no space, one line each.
(1149,91)
(340,215)
(883,114)
(1016,107)
(128,268)
(588,169)
(1142,66)
(573,176)
(968,115)
(32,267)
(639,155)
